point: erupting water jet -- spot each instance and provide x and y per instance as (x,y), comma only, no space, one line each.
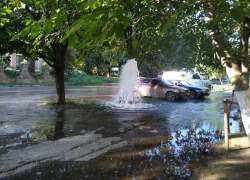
(128,92)
(128,97)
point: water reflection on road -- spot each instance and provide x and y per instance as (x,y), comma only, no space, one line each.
(166,141)
(39,93)
(169,156)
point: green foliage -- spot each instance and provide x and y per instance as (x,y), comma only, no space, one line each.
(4,61)
(84,79)
(213,72)
(24,62)
(222,87)
(42,71)
(72,41)
(27,84)
(151,100)
(91,106)
(11,73)
(148,70)
(95,64)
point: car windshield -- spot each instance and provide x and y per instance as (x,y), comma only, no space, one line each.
(185,83)
(165,82)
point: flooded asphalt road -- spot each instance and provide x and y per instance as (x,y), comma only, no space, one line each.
(161,140)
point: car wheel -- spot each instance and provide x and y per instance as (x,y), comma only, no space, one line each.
(170,96)
(192,94)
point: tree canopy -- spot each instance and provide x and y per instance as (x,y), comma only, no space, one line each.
(159,34)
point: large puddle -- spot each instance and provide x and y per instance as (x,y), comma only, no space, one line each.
(172,155)
(167,142)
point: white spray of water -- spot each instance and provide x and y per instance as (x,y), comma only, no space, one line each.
(129,96)
(129,80)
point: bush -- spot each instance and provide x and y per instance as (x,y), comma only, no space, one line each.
(40,74)
(11,73)
(222,87)
(84,79)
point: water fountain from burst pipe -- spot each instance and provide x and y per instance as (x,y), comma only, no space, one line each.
(128,97)
(129,83)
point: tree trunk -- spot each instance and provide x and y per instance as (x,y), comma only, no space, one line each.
(59,67)
(243,98)
(129,40)
(238,75)
(60,88)
(221,81)
(237,72)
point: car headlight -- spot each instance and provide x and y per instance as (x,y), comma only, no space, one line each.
(176,90)
(204,90)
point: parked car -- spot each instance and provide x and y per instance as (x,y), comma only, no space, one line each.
(196,79)
(160,88)
(195,92)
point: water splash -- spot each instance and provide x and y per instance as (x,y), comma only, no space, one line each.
(129,96)
(129,79)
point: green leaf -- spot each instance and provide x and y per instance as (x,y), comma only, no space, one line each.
(135,43)
(119,31)
(75,2)
(217,19)
(15,37)
(176,13)
(25,31)
(90,4)
(28,22)
(98,31)
(99,40)
(34,31)
(64,15)
(238,14)
(8,30)
(58,22)
(168,24)
(224,6)
(123,18)
(82,45)
(85,35)
(8,11)
(48,27)
(41,21)
(72,41)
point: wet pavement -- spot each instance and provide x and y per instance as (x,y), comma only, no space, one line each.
(166,140)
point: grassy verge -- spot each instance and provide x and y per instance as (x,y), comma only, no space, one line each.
(72,79)
(222,87)
(86,106)
(151,100)
(27,84)
(84,79)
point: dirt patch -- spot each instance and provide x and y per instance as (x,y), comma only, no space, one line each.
(234,164)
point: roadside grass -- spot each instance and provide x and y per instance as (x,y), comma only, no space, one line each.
(53,102)
(84,79)
(91,105)
(151,100)
(72,79)
(27,84)
(222,87)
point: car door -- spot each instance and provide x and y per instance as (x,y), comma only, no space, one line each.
(145,87)
(157,89)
